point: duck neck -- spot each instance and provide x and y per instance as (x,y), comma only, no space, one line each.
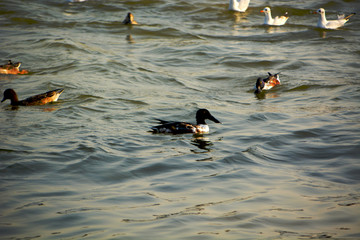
(322,19)
(233,5)
(200,121)
(14,100)
(268,18)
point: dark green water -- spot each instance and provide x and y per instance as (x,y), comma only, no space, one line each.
(283,165)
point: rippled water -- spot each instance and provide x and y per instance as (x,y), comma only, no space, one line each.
(282,165)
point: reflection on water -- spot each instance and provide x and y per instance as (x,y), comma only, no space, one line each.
(46,109)
(129,38)
(202,143)
(322,32)
(266,94)
(276,29)
(240,17)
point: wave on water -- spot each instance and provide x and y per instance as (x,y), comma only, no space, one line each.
(283,163)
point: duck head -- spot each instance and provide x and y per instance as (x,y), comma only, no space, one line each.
(10,94)
(320,11)
(129,19)
(259,85)
(203,114)
(273,78)
(266,10)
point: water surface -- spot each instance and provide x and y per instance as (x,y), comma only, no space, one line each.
(282,165)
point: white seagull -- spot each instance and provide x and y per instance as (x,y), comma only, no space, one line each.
(331,24)
(277,21)
(239,5)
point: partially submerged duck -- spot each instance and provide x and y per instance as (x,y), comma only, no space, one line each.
(129,19)
(184,127)
(12,68)
(331,24)
(39,99)
(267,83)
(277,21)
(239,5)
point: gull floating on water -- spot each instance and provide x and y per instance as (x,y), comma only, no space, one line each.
(331,24)
(239,5)
(277,21)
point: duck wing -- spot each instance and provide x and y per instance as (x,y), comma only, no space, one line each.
(163,121)
(174,127)
(281,20)
(40,99)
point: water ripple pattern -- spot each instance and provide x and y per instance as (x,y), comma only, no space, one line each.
(282,165)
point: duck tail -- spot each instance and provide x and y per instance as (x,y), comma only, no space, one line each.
(347,18)
(59,90)
(162,121)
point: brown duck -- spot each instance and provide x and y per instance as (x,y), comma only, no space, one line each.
(39,99)
(12,68)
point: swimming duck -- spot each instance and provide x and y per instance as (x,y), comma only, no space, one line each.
(12,68)
(184,127)
(277,21)
(39,99)
(267,83)
(331,24)
(129,19)
(239,5)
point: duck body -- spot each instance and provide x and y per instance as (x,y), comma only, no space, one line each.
(12,68)
(239,5)
(40,99)
(277,21)
(331,24)
(266,83)
(129,19)
(183,127)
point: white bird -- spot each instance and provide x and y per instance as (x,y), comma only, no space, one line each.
(239,5)
(277,21)
(331,24)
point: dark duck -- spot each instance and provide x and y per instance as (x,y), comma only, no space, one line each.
(183,127)
(267,83)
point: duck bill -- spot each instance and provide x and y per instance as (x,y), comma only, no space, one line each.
(212,118)
(262,11)
(3,100)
